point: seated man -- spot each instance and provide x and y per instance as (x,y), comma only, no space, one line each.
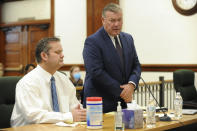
(45,95)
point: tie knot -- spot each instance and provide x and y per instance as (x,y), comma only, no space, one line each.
(115,37)
(52,78)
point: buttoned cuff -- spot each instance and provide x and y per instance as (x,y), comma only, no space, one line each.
(131,82)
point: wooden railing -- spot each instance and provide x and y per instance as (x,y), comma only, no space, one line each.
(163,91)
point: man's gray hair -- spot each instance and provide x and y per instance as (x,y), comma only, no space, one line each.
(43,46)
(111,7)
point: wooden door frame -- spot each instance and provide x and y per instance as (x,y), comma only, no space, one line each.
(52,21)
(92,14)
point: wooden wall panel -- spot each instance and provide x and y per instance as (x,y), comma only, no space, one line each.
(94,11)
(18,44)
(24,41)
(51,27)
(13,48)
(2,47)
(35,34)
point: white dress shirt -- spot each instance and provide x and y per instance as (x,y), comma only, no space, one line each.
(33,101)
(113,40)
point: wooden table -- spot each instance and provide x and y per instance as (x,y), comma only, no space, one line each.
(108,125)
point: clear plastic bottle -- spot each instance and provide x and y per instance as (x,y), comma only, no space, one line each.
(151,111)
(178,105)
(118,119)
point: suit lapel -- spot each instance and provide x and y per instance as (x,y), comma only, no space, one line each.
(125,49)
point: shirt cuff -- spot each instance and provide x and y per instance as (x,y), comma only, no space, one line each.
(131,82)
(68,117)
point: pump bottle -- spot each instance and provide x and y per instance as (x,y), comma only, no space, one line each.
(118,118)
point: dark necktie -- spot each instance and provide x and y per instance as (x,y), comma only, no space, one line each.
(119,50)
(54,95)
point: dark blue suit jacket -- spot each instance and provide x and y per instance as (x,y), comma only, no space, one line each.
(104,73)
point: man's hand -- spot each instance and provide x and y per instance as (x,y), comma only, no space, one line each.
(78,114)
(127,92)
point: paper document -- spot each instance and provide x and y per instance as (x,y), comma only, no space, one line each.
(64,124)
(189,111)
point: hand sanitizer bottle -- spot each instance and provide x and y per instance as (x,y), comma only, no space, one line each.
(118,118)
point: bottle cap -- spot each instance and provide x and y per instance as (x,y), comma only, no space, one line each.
(94,98)
(119,108)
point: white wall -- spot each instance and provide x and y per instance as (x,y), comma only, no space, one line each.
(161,34)
(12,11)
(70,26)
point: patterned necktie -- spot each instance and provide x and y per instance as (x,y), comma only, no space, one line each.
(54,95)
(119,50)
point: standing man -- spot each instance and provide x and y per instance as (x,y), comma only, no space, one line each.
(112,66)
(45,95)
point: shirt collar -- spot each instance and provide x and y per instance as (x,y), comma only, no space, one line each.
(45,74)
(112,37)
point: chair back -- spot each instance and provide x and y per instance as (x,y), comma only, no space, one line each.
(7,99)
(184,83)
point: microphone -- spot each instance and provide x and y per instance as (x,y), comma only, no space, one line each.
(165,117)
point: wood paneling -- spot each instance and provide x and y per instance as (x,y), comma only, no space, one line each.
(20,43)
(35,34)
(51,28)
(147,67)
(1,69)
(2,47)
(168,67)
(24,23)
(67,67)
(94,11)
(13,48)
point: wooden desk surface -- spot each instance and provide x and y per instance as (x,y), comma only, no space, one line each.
(108,125)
